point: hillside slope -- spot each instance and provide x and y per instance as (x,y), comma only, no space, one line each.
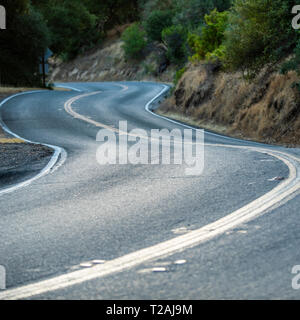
(265,109)
(108,63)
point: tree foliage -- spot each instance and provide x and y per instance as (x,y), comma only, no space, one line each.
(208,45)
(22,44)
(259,32)
(72,27)
(68,27)
(113,12)
(174,38)
(76,25)
(134,41)
(192,12)
(252,34)
(157,21)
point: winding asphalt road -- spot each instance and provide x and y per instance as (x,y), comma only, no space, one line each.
(88,231)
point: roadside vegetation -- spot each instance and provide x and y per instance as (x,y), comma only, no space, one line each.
(234,34)
(67,27)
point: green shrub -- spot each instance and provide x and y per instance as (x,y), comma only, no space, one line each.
(71,25)
(175,39)
(134,41)
(259,32)
(191,13)
(292,64)
(156,23)
(108,13)
(179,73)
(207,45)
(146,7)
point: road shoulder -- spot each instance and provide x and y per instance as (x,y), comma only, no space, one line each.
(19,160)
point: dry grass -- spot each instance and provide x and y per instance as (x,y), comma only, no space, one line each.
(194,122)
(12,90)
(61,89)
(266,109)
(10,140)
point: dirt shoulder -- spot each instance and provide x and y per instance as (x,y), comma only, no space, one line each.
(19,160)
(206,125)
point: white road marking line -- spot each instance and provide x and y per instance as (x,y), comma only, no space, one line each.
(68,87)
(179,262)
(165,89)
(57,159)
(180,230)
(86,265)
(98,261)
(277,196)
(76,115)
(125,88)
(159,269)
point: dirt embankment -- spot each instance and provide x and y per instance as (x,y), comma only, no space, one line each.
(266,109)
(108,63)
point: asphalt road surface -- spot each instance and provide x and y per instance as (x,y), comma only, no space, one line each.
(125,231)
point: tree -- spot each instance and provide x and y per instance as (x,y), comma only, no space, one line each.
(134,41)
(259,32)
(22,44)
(174,38)
(156,23)
(113,12)
(72,27)
(191,13)
(208,43)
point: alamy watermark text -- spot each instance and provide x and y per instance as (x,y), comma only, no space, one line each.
(161,146)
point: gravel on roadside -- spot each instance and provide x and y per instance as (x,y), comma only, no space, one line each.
(19,160)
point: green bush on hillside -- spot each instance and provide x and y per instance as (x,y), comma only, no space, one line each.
(71,25)
(179,73)
(208,45)
(157,21)
(134,41)
(146,7)
(175,39)
(259,32)
(294,63)
(190,13)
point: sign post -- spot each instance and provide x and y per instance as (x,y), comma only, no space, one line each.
(44,66)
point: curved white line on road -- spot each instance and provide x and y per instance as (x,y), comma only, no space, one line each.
(76,115)
(283,192)
(167,88)
(67,87)
(58,158)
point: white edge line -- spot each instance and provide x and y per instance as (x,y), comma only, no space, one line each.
(67,87)
(165,89)
(58,151)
